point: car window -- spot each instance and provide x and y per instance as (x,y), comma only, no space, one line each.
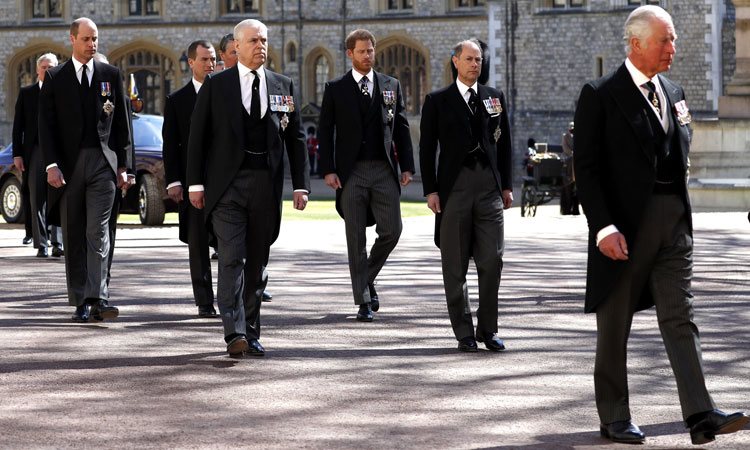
(147,131)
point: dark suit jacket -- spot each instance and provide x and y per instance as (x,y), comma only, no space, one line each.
(445,121)
(215,151)
(615,166)
(25,130)
(61,117)
(176,130)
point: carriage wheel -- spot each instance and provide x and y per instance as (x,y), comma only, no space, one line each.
(529,201)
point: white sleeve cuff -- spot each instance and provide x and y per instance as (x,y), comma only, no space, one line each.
(302,190)
(173,184)
(604,232)
(196,188)
(50,166)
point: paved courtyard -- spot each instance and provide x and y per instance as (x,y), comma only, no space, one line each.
(159,377)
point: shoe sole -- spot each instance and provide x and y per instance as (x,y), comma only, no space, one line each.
(468,349)
(107,315)
(729,427)
(238,348)
(492,349)
(606,435)
(364,319)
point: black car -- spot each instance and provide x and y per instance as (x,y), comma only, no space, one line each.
(148,198)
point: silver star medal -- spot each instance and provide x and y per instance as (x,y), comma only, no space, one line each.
(108,107)
(389,99)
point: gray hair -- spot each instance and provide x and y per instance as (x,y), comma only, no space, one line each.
(51,57)
(459,47)
(638,23)
(239,29)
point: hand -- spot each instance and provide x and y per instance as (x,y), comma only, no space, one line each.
(433,202)
(406,178)
(300,200)
(507,198)
(614,247)
(175,193)
(55,177)
(122,178)
(18,162)
(197,199)
(332,180)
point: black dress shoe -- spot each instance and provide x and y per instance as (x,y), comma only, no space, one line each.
(254,348)
(81,315)
(57,251)
(100,310)
(468,344)
(42,252)
(374,299)
(365,313)
(491,341)
(27,240)
(237,346)
(705,426)
(207,311)
(266,297)
(624,432)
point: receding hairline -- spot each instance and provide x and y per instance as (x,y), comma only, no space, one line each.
(239,29)
(641,19)
(51,57)
(459,47)
(77,23)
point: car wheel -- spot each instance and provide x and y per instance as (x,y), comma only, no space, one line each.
(150,204)
(12,203)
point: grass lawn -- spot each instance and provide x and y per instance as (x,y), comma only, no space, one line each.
(316,210)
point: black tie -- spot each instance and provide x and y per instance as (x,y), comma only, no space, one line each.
(84,80)
(255,100)
(473,101)
(363,88)
(653,98)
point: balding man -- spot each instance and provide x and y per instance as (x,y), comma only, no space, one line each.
(631,143)
(84,132)
(244,119)
(467,188)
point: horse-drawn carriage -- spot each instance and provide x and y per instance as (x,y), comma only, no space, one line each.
(548,173)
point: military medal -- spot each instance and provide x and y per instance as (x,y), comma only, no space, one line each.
(493,106)
(389,99)
(108,107)
(283,122)
(106,89)
(282,104)
(683,114)
(497,133)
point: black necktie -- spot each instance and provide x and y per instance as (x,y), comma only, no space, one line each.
(653,98)
(363,88)
(473,101)
(255,100)
(84,80)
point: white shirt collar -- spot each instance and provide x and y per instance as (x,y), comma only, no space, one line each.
(244,71)
(358,76)
(39,82)
(638,77)
(463,89)
(196,84)
(89,66)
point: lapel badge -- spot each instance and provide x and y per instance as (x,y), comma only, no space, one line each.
(497,133)
(683,113)
(389,99)
(283,122)
(106,89)
(108,107)
(492,105)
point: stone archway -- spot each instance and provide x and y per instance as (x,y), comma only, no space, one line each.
(22,68)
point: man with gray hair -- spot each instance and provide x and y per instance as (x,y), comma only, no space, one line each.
(244,119)
(28,158)
(631,142)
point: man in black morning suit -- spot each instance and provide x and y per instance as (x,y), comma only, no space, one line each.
(467,188)
(28,157)
(632,141)
(364,110)
(243,120)
(176,130)
(84,132)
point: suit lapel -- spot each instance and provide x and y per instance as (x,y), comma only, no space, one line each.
(69,72)
(634,107)
(672,94)
(232,90)
(273,87)
(458,106)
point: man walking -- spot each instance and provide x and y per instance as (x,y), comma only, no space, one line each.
(176,131)
(28,158)
(631,143)
(243,120)
(364,110)
(84,132)
(467,188)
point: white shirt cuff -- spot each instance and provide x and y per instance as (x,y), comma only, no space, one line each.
(50,166)
(195,188)
(604,232)
(173,184)
(302,190)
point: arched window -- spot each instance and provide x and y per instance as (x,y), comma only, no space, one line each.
(408,65)
(154,77)
(22,70)
(291,52)
(321,76)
